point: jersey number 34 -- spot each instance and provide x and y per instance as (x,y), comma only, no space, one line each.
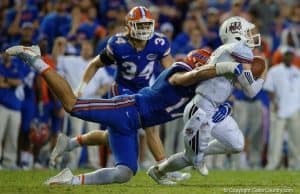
(130,69)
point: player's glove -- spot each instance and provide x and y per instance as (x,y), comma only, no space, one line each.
(223,111)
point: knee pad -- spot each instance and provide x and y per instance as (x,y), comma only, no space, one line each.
(238,145)
(123,174)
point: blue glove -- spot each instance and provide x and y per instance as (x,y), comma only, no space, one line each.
(238,70)
(223,111)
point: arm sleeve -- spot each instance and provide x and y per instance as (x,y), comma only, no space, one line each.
(250,86)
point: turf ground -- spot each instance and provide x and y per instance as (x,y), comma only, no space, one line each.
(30,182)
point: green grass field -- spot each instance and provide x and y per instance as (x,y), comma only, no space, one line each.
(12,182)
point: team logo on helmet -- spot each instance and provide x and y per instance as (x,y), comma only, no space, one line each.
(197,57)
(235,27)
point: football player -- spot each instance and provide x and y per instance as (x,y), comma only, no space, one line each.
(163,101)
(238,41)
(136,53)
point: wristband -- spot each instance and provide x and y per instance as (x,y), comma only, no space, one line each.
(225,67)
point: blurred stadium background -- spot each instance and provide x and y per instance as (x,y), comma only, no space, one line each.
(63,28)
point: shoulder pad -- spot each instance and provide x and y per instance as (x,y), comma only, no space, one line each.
(115,42)
(241,52)
(162,42)
(161,35)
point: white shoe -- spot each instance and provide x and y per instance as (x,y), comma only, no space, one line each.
(162,180)
(63,178)
(27,53)
(202,169)
(178,176)
(60,147)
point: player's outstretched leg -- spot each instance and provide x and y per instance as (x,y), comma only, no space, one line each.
(66,144)
(118,174)
(60,87)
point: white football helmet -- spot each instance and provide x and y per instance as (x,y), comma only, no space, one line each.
(238,29)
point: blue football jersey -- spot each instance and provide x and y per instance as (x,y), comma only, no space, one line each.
(162,101)
(135,68)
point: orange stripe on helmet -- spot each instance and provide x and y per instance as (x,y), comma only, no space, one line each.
(197,57)
(137,13)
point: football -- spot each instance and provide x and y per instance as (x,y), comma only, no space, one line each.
(258,66)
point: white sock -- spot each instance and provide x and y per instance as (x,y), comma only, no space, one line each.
(75,142)
(77,180)
(40,65)
(118,174)
(173,163)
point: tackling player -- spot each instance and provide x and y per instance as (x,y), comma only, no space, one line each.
(136,54)
(161,102)
(236,35)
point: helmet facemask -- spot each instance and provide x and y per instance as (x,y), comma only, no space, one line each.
(252,38)
(141,30)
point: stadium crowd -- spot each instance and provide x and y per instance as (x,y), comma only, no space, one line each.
(71,32)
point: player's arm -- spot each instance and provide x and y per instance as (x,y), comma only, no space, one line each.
(249,85)
(167,61)
(97,62)
(164,48)
(194,76)
(201,73)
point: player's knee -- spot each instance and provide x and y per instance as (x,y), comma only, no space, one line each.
(238,145)
(68,105)
(123,174)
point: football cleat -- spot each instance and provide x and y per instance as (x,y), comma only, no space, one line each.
(63,178)
(178,176)
(60,147)
(202,169)
(27,53)
(162,180)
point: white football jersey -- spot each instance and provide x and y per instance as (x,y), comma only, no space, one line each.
(218,89)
